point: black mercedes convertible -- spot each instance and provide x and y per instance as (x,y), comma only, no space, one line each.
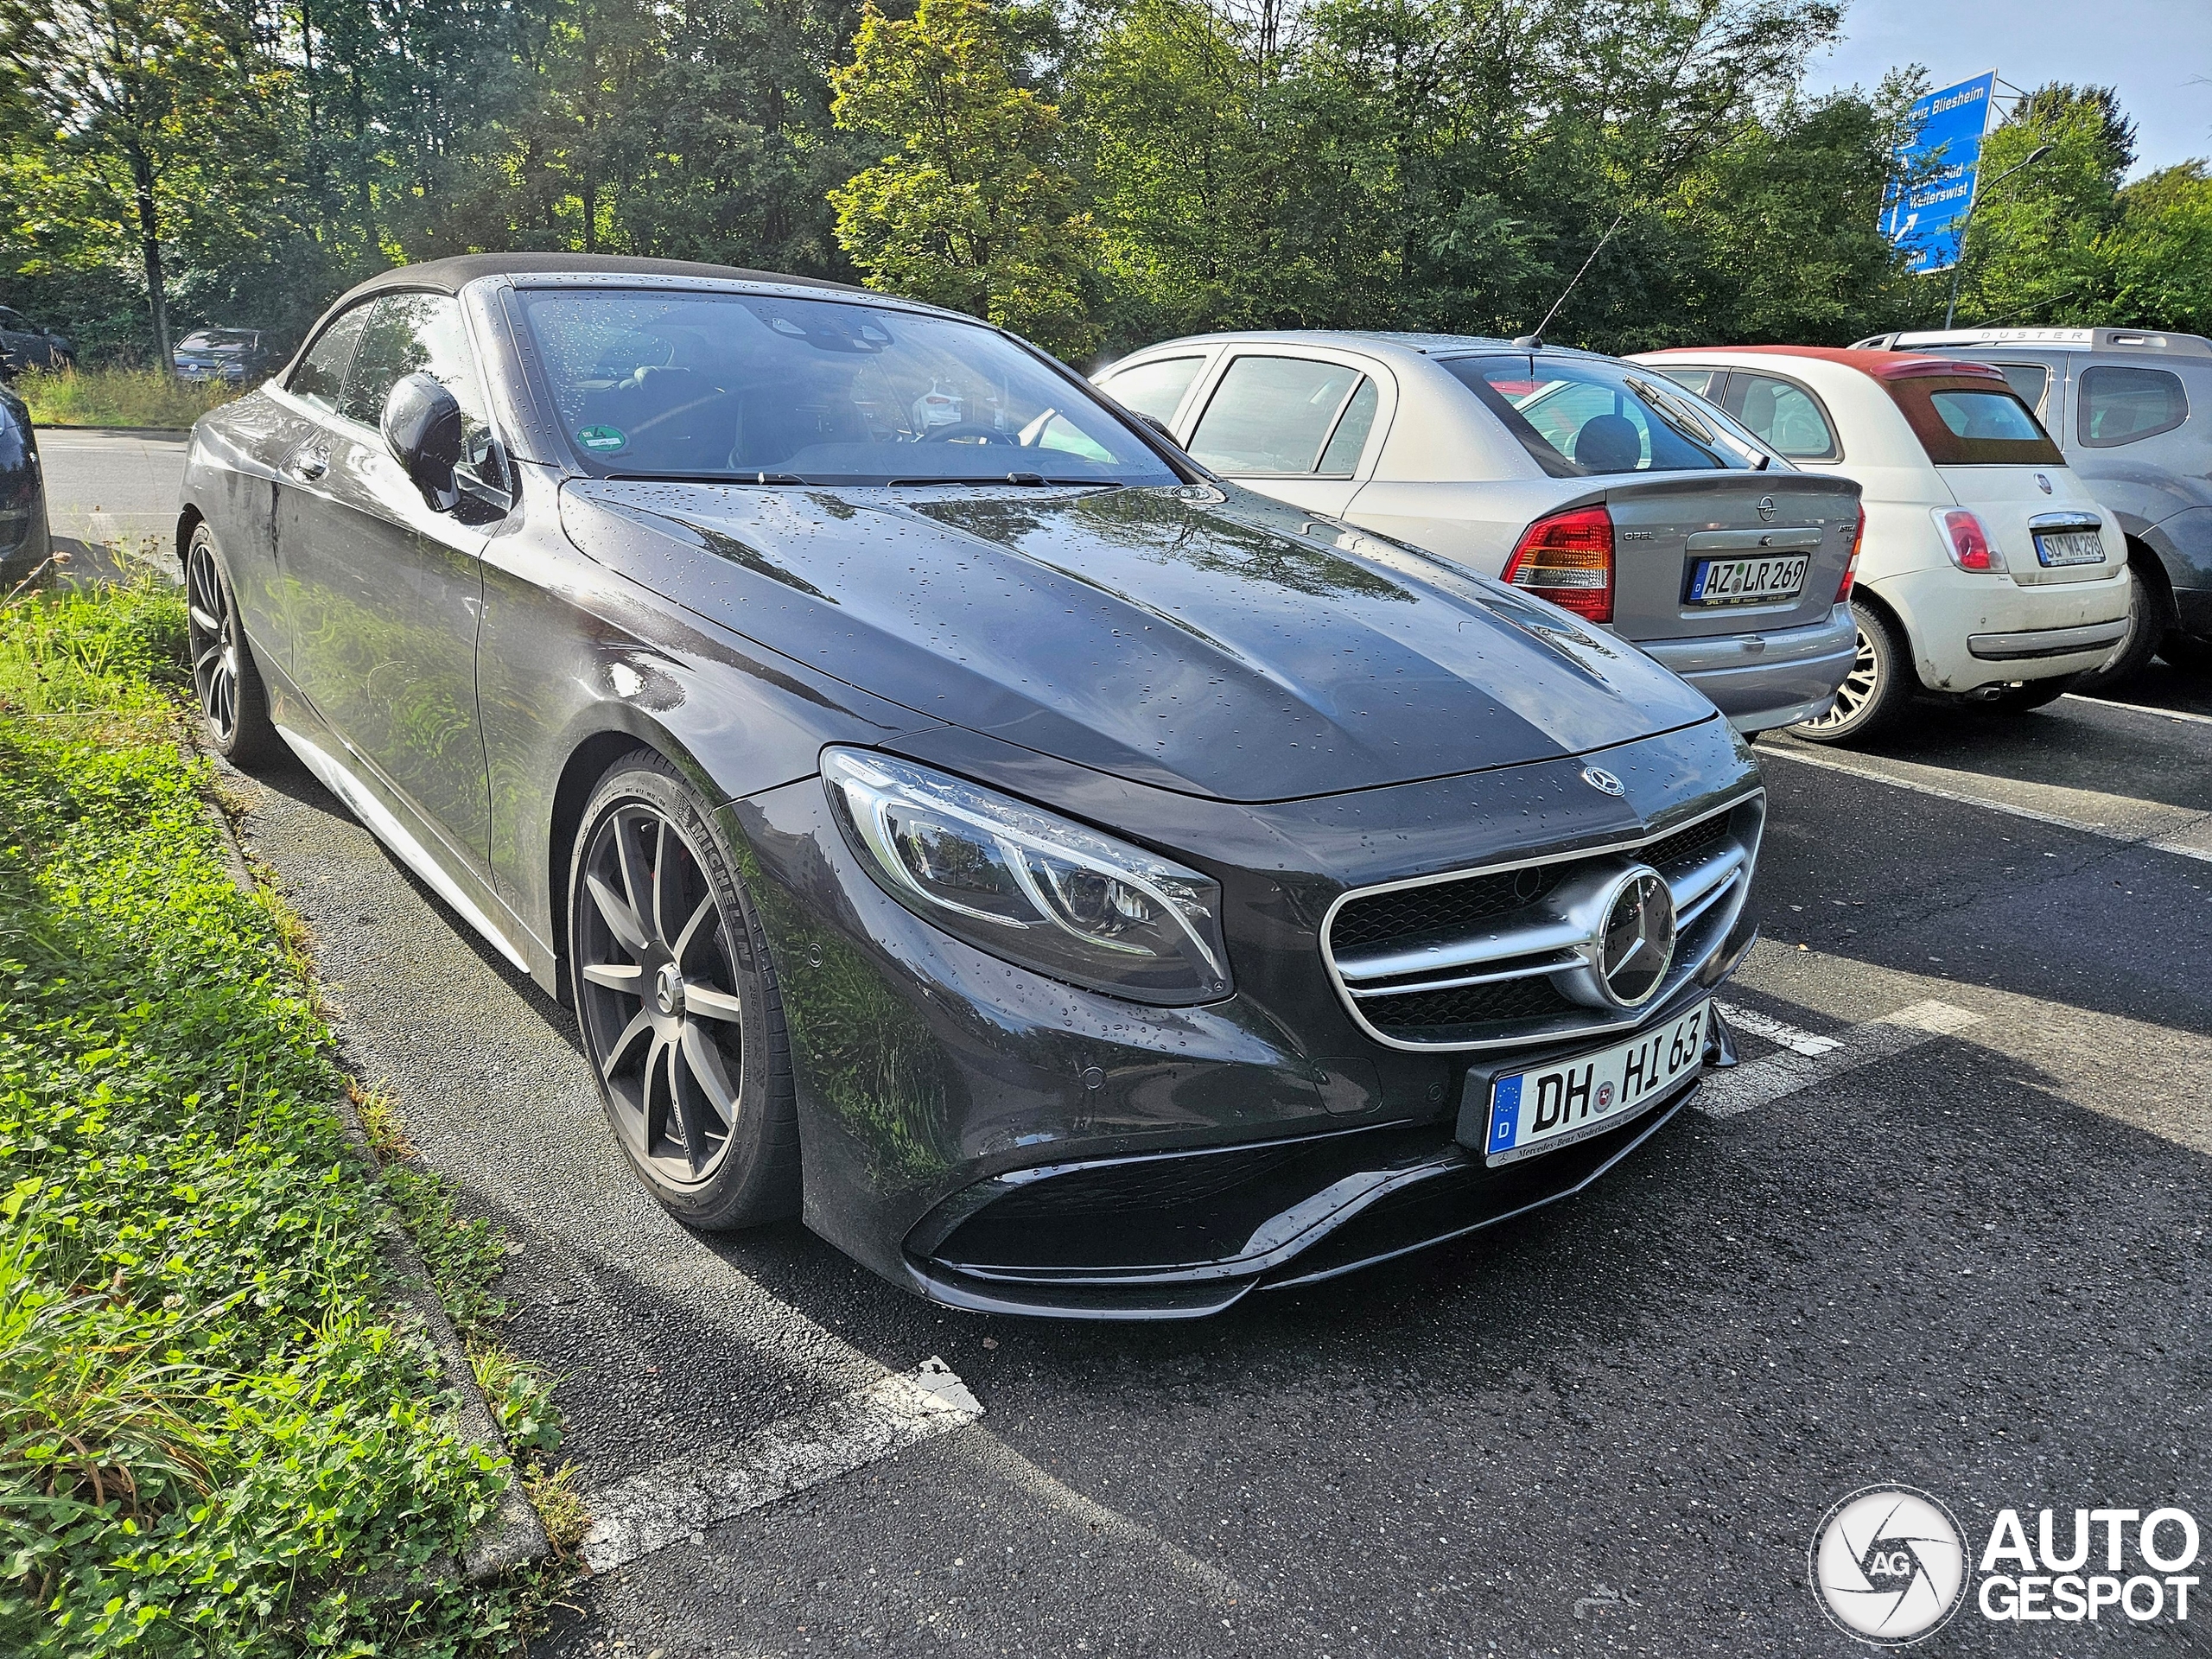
(1072,884)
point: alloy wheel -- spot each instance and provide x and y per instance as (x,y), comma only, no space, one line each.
(212,635)
(654,974)
(1856,691)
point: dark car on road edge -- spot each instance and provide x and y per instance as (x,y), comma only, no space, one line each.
(25,541)
(1074,886)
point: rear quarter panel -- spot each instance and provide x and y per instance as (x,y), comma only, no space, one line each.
(229,480)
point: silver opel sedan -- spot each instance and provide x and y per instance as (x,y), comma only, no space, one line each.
(1594,483)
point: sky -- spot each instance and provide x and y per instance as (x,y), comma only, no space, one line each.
(2157,53)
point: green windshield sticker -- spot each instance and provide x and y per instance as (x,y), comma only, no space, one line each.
(602,440)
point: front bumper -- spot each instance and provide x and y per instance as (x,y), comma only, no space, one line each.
(1969,631)
(992,1138)
(1763,680)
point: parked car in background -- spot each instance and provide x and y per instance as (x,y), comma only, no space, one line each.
(1071,886)
(1584,480)
(1987,571)
(25,543)
(2132,409)
(232,356)
(24,345)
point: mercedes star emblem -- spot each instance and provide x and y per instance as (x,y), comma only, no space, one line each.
(1603,781)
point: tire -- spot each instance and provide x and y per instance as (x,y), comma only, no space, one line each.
(2187,651)
(678,1003)
(2136,646)
(233,705)
(2033,693)
(1879,689)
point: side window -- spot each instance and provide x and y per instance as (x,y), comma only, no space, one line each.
(1341,458)
(1697,380)
(1275,414)
(2127,405)
(320,377)
(409,334)
(2031,381)
(1785,416)
(1154,388)
(10,320)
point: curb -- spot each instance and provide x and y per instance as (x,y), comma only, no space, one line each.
(513,1535)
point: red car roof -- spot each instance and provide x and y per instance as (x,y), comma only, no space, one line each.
(1882,366)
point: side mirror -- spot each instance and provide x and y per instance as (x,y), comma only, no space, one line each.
(422,427)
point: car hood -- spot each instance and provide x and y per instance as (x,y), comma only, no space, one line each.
(1219,644)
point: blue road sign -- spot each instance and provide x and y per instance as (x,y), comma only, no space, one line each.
(1929,219)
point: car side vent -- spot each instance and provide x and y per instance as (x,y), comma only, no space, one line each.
(1501,958)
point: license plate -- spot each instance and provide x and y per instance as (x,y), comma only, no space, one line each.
(1554,1106)
(2070,547)
(1748,581)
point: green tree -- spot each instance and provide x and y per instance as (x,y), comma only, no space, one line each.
(137,122)
(2161,250)
(975,209)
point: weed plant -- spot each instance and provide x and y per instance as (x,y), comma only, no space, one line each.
(144,398)
(214,1440)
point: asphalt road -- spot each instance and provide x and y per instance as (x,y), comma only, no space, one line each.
(1978,1266)
(107,487)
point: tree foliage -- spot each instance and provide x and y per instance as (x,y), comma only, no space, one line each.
(973,209)
(1093,173)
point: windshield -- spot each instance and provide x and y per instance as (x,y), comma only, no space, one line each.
(1579,418)
(215,340)
(774,390)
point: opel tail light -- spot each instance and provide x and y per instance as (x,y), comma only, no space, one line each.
(1568,557)
(1850,570)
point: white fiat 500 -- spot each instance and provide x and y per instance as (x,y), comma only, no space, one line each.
(1987,571)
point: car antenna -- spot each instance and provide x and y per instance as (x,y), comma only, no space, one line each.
(1531,341)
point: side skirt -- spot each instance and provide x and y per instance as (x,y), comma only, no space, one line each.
(383,824)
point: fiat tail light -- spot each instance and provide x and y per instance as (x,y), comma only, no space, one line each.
(1568,557)
(1968,540)
(1851,569)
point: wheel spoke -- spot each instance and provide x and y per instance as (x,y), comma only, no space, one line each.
(202,619)
(640,1023)
(625,976)
(633,879)
(694,1105)
(712,1071)
(684,940)
(656,1093)
(620,919)
(710,1004)
(213,654)
(660,879)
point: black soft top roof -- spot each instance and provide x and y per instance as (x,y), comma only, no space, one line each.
(451,276)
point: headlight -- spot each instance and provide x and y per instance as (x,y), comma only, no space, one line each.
(1029,886)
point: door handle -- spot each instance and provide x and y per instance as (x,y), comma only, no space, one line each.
(308,466)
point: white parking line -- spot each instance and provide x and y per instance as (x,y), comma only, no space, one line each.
(2139,709)
(1760,1025)
(685,1495)
(2105,831)
(1761,1083)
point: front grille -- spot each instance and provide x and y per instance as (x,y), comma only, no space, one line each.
(1453,907)
(1487,959)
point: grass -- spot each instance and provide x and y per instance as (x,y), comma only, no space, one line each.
(117,398)
(215,1438)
